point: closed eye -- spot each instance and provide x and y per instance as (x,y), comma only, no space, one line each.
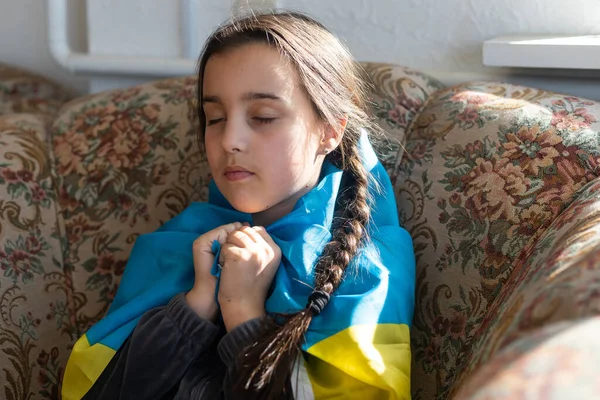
(264,120)
(213,121)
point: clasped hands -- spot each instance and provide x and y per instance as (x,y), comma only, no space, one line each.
(249,259)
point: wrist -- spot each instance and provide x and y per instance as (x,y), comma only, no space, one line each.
(236,313)
(203,304)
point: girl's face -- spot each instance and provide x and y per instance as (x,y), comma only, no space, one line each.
(263,140)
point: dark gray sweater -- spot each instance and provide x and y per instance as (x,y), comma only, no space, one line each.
(175,354)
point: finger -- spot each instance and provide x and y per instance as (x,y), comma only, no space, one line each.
(224,231)
(240,239)
(252,234)
(264,235)
(272,248)
(202,247)
(219,234)
(230,252)
(224,249)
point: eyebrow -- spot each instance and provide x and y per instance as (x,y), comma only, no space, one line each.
(260,96)
(246,97)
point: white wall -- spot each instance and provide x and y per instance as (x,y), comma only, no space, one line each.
(24,39)
(443,36)
(157,28)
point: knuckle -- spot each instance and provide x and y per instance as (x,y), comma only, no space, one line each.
(269,251)
(247,255)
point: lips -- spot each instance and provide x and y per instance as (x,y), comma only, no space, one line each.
(236,173)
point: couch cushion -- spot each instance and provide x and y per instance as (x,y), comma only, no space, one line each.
(488,167)
(24,92)
(36,330)
(126,161)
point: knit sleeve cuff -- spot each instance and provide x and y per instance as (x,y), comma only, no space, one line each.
(242,336)
(191,325)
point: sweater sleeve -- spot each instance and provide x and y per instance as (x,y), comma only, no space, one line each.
(155,360)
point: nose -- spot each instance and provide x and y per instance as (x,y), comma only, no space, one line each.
(235,136)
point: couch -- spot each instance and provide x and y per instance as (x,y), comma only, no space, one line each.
(497,184)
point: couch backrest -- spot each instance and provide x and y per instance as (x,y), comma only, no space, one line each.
(126,162)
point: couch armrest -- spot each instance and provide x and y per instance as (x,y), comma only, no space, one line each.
(558,361)
(556,284)
(126,162)
(489,167)
(35,329)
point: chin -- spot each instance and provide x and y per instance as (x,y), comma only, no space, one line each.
(245,205)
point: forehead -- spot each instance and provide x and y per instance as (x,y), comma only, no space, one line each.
(249,68)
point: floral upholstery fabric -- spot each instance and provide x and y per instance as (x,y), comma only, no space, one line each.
(488,168)
(555,362)
(559,278)
(496,183)
(126,162)
(397,96)
(24,92)
(34,317)
(558,281)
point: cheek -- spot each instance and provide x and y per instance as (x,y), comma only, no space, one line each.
(293,164)
(211,148)
(298,144)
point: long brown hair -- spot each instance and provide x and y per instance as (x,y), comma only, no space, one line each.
(334,83)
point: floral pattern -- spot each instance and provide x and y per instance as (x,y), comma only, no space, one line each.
(24,92)
(553,362)
(489,169)
(496,184)
(126,161)
(32,281)
(559,279)
(397,96)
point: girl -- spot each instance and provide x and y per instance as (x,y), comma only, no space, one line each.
(295,279)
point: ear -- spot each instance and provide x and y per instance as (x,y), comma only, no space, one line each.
(332,136)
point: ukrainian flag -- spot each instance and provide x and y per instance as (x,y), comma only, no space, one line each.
(358,347)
